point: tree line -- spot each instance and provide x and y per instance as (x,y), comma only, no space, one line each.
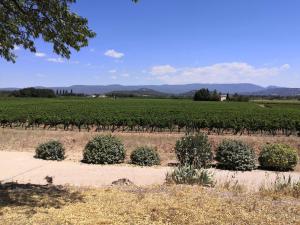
(42,93)
(34,92)
(205,95)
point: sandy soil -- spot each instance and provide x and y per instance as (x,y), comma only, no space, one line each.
(23,168)
(74,141)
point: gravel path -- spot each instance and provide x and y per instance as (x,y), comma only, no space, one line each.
(23,168)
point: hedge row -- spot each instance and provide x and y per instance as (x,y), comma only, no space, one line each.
(195,151)
(192,150)
(101,150)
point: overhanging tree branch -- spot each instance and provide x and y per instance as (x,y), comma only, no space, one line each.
(22,21)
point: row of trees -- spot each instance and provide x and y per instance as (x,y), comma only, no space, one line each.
(65,93)
(205,95)
(39,93)
(237,98)
(34,92)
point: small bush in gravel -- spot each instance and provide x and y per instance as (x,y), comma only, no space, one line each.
(190,175)
(278,157)
(194,151)
(145,156)
(235,155)
(104,150)
(52,150)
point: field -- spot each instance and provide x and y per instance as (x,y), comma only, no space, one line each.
(137,122)
(36,204)
(151,115)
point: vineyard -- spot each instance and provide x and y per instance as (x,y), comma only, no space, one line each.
(151,115)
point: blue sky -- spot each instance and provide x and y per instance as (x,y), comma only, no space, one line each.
(172,42)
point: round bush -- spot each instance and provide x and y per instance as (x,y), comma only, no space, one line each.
(145,156)
(52,150)
(278,157)
(235,155)
(194,151)
(104,150)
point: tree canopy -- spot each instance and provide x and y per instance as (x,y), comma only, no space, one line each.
(206,95)
(23,21)
(34,92)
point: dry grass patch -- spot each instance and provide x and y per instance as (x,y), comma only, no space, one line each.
(282,187)
(155,205)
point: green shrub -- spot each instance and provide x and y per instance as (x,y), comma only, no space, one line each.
(104,150)
(52,150)
(145,156)
(278,157)
(190,175)
(194,151)
(235,155)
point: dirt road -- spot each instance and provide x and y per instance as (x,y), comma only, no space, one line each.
(23,168)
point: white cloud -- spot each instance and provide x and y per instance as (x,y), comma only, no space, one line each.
(56,60)
(125,75)
(285,67)
(40,54)
(16,47)
(233,72)
(113,77)
(162,70)
(112,71)
(40,75)
(114,54)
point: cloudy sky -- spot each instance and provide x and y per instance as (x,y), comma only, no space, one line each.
(172,42)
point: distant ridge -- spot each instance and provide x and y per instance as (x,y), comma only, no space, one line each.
(165,88)
(143,92)
(183,90)
(278,92)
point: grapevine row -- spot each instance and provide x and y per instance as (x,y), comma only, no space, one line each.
(150,116)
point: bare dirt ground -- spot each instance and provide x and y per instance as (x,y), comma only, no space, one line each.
(74,141)
(21,167)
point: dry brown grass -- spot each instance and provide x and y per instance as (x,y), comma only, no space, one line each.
(74,141)
(153,205)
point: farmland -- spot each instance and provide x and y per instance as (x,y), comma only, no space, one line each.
(151,115)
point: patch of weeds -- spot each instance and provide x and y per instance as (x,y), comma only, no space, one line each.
(234,186)
(282,186)
(190,175)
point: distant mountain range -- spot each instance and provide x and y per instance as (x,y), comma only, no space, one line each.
(278,92)
(143,92)
(169,89)
(184,89)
